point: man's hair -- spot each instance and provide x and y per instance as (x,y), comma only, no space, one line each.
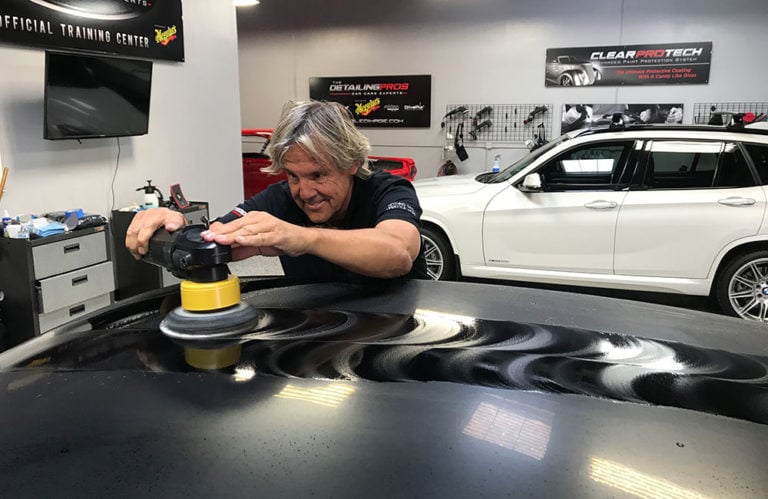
(325,130)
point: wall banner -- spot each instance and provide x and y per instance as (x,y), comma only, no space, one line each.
(653,64)
(151,29)
(576,116)
(379,101)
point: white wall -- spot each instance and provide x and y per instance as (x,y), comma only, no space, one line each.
(193,139)
(486,52)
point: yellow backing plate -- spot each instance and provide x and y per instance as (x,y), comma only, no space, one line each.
(206,296)
(212,358)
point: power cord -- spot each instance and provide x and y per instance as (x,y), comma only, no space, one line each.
(114,175)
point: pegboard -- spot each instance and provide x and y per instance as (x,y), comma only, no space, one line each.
(508,122)
(703,111)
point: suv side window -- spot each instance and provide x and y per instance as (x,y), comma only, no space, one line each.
(759,155)
(733,170)
(587,167)
(696,165)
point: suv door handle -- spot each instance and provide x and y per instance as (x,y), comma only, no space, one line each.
(737,201)
(601,205)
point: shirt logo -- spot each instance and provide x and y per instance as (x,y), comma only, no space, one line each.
(399,205)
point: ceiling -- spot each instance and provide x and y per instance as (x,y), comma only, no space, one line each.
(283,15)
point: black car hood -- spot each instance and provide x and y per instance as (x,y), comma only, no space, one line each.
(417,389)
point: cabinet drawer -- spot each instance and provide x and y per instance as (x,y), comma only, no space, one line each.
(76,286)
(62,316)
(69,254)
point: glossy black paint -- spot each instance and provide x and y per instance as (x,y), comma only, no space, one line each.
(420,389)
(319,344)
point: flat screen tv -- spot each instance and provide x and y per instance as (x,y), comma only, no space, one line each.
(89,96)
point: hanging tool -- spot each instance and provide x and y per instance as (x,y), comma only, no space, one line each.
(536,110)
(482,112)
(539,139)
(476,118)
(453,112)
(458,143)
(477,128)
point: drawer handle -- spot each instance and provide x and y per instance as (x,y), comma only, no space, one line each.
(79,280)
(72,247)
(76,310)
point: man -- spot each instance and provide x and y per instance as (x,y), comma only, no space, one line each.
(332,220)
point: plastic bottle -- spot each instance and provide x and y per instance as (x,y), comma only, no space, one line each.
(6,221)
(496,168)
(152,195)
(23,232)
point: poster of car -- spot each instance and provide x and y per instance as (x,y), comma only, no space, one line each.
(379,101)
(136,28)
(576,116)
(652,64)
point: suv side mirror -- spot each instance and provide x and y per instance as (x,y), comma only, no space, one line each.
(531,183)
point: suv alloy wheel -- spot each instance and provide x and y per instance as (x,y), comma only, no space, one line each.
(742,288)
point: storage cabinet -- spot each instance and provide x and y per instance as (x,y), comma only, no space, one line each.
(50,281)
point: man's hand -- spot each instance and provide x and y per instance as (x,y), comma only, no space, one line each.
(259,233)
(144,225)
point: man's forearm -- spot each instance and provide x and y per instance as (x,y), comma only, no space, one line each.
(370,252)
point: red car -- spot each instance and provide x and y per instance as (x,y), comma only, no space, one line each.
(255,141)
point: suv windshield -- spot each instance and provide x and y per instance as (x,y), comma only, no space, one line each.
(525,161)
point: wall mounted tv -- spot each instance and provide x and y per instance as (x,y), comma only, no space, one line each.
(89,96)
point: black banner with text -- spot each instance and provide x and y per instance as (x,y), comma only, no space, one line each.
(151,29)
(651,64)
(379,101)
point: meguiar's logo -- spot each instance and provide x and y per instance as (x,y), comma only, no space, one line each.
(368,107)
(164,37)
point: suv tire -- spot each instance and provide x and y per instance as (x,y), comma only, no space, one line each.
(441,265)
(742,286)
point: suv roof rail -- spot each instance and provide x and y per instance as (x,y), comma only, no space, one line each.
(749,129)
(759,125)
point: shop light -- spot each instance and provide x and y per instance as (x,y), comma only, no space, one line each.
(426,314)
(329,396)
(518,427)
(244,373)
(633,482)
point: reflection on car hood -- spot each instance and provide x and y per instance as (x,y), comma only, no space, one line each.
(428,346)
(520,390)
(450,185)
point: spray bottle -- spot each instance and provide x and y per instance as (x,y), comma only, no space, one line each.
(152,196)
(496,168)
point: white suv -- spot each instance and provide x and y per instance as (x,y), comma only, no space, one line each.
(676,209)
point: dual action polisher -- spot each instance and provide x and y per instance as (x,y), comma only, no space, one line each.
(212,314)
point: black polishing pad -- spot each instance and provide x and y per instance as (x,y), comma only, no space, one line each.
(218,324)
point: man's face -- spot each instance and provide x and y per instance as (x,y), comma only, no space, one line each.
(322,191)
